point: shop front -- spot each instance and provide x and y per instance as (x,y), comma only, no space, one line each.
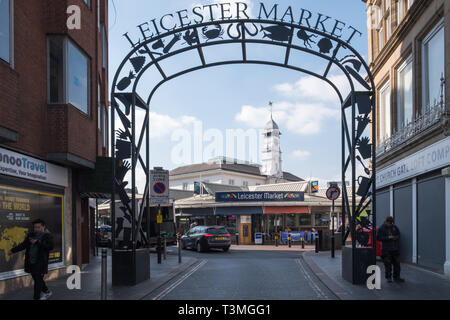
(30,189)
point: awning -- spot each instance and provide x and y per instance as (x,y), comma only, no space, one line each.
(287,210)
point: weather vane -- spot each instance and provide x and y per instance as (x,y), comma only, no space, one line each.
(271,108)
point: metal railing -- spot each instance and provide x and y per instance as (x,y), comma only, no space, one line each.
(430,117)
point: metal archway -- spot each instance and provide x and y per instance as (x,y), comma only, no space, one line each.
(358,104)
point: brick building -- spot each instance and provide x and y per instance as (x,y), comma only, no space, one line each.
(53,125)
(409,50)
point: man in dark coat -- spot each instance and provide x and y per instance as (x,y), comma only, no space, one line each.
(389,235)
(37,246)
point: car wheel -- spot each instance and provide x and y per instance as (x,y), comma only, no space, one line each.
(226,249)
(200,247)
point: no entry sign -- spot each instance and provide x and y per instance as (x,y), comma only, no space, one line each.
(159,186)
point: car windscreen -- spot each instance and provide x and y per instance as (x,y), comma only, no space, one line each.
(217,231)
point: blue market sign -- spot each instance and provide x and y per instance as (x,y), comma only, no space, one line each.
(259,196)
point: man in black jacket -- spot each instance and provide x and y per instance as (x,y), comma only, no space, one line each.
(37,246)
(389,235)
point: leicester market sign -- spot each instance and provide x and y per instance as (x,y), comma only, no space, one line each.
(239,11)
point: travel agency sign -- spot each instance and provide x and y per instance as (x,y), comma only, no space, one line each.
(26,167)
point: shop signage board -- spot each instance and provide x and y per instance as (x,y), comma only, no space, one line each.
(430,158)
(258,238)
(259,196)
(26,167)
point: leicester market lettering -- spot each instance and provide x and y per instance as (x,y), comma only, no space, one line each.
(239,10)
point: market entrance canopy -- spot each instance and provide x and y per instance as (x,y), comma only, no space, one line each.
(317,35)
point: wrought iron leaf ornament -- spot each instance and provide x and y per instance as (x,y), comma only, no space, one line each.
(126,81)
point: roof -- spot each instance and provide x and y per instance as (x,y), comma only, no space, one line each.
(271,125)
(233,167)
(212,188)
(300,186)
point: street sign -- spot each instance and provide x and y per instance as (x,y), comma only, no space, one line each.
(333,193)
(258,238)
(159,186)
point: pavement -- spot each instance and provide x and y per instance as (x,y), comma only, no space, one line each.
(420,284)
(160,274)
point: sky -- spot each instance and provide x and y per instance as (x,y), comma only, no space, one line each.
(192,114)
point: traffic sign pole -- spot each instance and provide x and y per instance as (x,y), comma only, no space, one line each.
(332,230)
(333,193)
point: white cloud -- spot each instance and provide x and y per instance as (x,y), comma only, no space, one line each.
(300,118)
(161,125)
(315,89)
(301,154)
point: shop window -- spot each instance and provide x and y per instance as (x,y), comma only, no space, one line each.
(5,30)
(433,66)
(305,220)
(405,94)
(291,220)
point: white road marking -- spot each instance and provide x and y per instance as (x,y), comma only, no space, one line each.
(179,281)
(311,282)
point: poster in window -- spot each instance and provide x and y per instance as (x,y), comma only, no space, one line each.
(18,208)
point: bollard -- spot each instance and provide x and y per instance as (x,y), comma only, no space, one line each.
(276,241)
(317,242)
(237,238)
(332,245)
(104,275)
(289,240)
(303,243)
(158,249)
(179,250)
(165,248)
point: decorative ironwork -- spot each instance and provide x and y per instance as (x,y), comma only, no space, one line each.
(301,37)
(428,119)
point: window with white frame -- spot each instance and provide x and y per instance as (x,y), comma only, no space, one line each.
(68,73)
(98,14)
(185,186)
(231,182)
(433,64)
(384,119)
(99,106)
(5,30)
(399,11)
(105,126)
(404,94)
(104,47)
